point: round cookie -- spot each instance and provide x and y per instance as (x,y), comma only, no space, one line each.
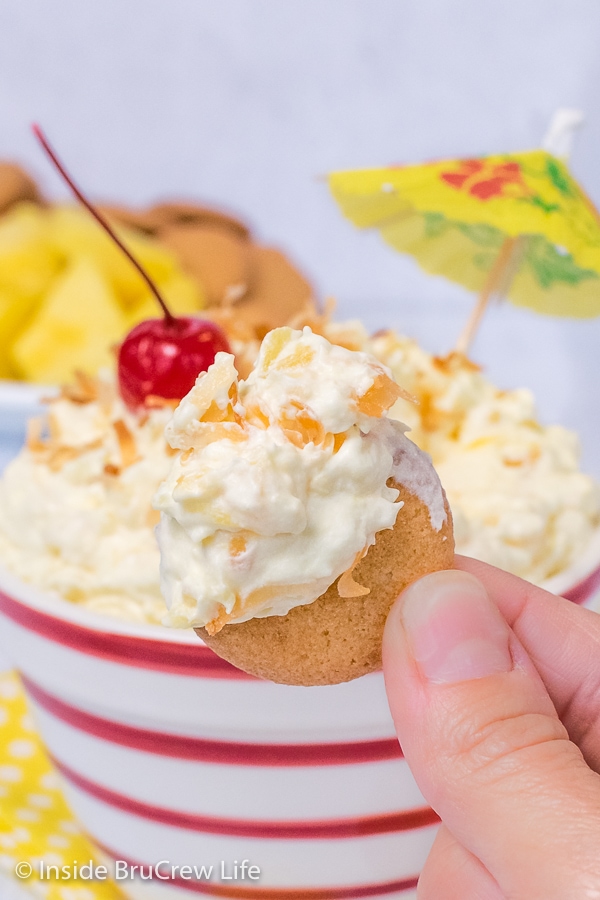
(218,257)
(336,639)
(152,219)
(195,214)
(15,186)
(278,291)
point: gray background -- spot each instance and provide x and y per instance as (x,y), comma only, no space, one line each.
(245,103)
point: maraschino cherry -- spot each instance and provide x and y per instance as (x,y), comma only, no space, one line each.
(159,358)
(162,358)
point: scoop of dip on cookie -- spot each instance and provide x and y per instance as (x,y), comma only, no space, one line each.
(280,483)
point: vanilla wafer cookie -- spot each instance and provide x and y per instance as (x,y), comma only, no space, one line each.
(285,490)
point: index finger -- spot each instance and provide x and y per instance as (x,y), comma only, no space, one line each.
(563,641)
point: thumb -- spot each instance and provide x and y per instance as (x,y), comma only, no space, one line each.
(485,743)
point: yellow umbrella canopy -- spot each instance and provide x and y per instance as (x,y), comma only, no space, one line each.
(515,224)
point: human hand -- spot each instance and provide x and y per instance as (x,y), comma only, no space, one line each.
(494,687)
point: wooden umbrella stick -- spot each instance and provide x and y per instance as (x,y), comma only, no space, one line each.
(496,280)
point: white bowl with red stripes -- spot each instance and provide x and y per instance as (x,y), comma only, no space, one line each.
(170,755)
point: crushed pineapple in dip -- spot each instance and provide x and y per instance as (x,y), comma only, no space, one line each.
(280,481)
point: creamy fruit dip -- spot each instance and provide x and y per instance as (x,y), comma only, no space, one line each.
(518,498)
(75,512)
(280,482)
(75,506)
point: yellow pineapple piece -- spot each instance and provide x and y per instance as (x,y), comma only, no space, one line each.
(273,344)
(28,261)
(75,233)
(78,322)
(15,311)
(299,358)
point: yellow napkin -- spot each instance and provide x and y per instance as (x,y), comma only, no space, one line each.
(35,821)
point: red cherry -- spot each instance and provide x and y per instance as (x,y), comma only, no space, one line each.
(159,357)
(163,359)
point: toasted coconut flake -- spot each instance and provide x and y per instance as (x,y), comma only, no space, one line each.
(84,390)
(338,440)
(531,455)
(60,455)
(316,321)
(215,413)
(152,517)
(347,586)
(215,625)
(453,362)
(244,362)
(255,600)
(53,428)
(233,293)
(319,323)
(300,427)
(345,337)
(48,399)
(106,396)
(127,444)
(256,416)
(206,432)
(237,545)
(33,438)
(153,401)
(382,394)
(432,417)
(231,322)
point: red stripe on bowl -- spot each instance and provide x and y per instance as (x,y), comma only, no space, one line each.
(144,653)
(212,751)
(582,591)
(327,829)
(260,893)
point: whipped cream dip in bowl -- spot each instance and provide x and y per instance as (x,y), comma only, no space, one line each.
(168,752)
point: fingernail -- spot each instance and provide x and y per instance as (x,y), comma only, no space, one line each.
(454,630)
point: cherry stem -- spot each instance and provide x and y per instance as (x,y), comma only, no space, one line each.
(169,317)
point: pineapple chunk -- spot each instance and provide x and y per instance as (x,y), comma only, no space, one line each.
(28,261)
(77,323)
(15,312)
(75,233)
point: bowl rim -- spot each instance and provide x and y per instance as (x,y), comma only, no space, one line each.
(21,396)
(52,604)
(571,581)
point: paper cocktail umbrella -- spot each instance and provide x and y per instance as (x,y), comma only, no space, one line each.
(515,225)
